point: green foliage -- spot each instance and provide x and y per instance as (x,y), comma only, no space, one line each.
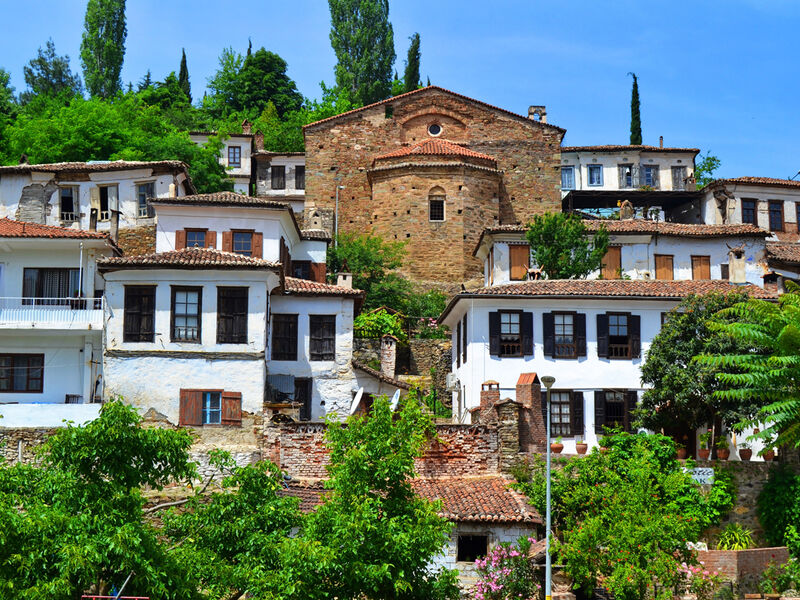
(372,262)
(705,165)
(424,308)
(562,248)
(8,108)
(411,76)
(175,105)
(636,119)
(377,323)
(50,74)
(508,573)
(363,40)
(183,77)
(778,578)
(779,505)
(769,373)
(735,537)
(103,46)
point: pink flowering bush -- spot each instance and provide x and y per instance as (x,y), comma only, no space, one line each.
(507,573)
(700,581)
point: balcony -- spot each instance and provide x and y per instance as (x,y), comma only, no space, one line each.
(52,313)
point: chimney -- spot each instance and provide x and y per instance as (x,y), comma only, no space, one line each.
(246,127)
(115,225)
(345,280)
(537,113)
(490,394)
(532,428)
(259,141)
(661,141)
(388,355)
(508,430)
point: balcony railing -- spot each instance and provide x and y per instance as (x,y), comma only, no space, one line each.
(51,313)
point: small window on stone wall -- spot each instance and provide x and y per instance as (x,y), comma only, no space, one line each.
(436,199)
(471,547)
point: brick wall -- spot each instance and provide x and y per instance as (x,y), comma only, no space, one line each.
(741,565)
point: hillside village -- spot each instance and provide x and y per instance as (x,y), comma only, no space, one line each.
(221,312)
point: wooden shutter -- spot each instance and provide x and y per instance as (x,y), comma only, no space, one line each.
(612,263)
(526,330)
(631,399)
(257,245)
(191,408)
(458,344)
(232,408)
(580,333)
(464,341)
(227,241)
(318,272)
(519,259)
(701,267)
(602,335)
(548,332)
(664,267)
(621,176)
(635,333)
(599,411)
(211,239)
(180,239)
(577,413)
(94,198)
(494,333)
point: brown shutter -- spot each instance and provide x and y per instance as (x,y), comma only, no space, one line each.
(494,333)
(701,267)
(577,414)
(548,331)
(580,333)
(211,239)
(635,331)
(458,344)
(599,411)
(612,263)
(464,341)
(191,408)
(526,328)
(258,245)
(602,336)
(519,258)
(180,239)
(631,399)
(664,267)
(232,408)
(227,241)
(318,272)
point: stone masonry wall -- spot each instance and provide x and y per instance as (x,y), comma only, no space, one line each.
(24,441)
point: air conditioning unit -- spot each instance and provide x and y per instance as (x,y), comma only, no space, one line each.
(451,382)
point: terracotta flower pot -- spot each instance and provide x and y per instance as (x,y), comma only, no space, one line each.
(556,448)
(745,453)
(582,447)
(703,453)
(769,455)
(723,453)
(682,453)
(603,449)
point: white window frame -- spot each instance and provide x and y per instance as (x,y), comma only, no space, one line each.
(598,169)
(570,169)
(76,204)
(139,213)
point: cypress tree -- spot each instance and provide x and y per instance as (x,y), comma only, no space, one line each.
(183,77)
(429,81)
(636,121)
(411,76)
(103,46)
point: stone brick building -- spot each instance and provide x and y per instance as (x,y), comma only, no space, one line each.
(431,168)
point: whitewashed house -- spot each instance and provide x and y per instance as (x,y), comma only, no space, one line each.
(102,195)
(235,155)
(281,176)
(51,323)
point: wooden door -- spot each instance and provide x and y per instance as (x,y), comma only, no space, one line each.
(519,257)
(664,270)
(612,263)
(701,267)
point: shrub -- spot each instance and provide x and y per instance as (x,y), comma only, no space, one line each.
(779,504)
(700,582)
(735,537)
(507,573)
(377,323)
(779,578)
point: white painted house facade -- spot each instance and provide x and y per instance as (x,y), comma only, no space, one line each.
(235,155)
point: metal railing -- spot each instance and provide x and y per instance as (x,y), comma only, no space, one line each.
(58,312)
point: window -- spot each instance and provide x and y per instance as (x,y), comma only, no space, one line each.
(68,207)
(564,331)
(300,177)
(284,337)
(520,260)
(234,156)
(595,174)
(510,336)
(664,267)
(144,191)
(776,215)
(50,286)
(434,129)
(626,178)
(212,408)
(618,340)
(560,414)
(678,178)
(322,338)
(701,267)
(186,314)
(21,373)
(614,408)
(301,269)
(302,396)
(511,333)
(612,263)
(615,413)
(108,201)
(469,548)
(243,243)
(232,315)
(139,314)
(619,335)
(195,238)
(278,177)
(567,178)
(436,207)
(749,214)
(650,175)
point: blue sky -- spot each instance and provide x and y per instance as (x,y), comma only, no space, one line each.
(720,76)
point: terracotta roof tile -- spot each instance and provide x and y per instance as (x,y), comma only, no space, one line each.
(114,165)
(767,181)
(623,148)
(316,234)
(222,199)
(380,376)
(10,228)
(306,287)
(188,258)
(783,252)
(435,147)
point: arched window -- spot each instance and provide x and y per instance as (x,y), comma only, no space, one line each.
(436,198)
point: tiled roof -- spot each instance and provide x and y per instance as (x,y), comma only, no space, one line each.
(767,181)
(783,252)
(188,258)
(306,287)
(624,148)
(435,147)
(380,376)
(432,88)
(316,234)
(10,228)
(114,165)
(465,499)
(222,199)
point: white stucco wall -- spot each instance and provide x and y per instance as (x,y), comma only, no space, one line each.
(313,250)
(710,212)
(610,162)
(46,415)
(291,163)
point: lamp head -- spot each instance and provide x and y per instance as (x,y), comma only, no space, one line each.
(548,381)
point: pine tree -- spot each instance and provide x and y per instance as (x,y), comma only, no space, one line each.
(363,40)
(103,46)
(145,82)
(49,74)
(636,122)
(183,77)
(411,76)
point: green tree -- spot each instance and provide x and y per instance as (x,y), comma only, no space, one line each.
(363,40)
(682,390)
(372,261)
(562,248)
(8,107)
(50,74)
(636,119)
(183,76)
(103,46)
(171,98)
(411,76)
(704,169)
(145,82)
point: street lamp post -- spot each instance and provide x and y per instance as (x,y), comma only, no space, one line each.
(548,382)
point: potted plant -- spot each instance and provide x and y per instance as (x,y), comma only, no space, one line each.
(769,454)
(581,446)
(723,449)
(682,452)
(745,452)
(705,445)
(557,446)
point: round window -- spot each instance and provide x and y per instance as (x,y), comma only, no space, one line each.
(434,129)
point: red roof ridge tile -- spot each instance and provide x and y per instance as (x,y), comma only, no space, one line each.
(294,285)
(435,147)
(11,228)
(195,258)
(756,181)
(623,147)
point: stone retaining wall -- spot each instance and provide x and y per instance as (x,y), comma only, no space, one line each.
(22,442)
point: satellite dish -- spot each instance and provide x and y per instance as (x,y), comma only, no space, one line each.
(395,400)
(356,401)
